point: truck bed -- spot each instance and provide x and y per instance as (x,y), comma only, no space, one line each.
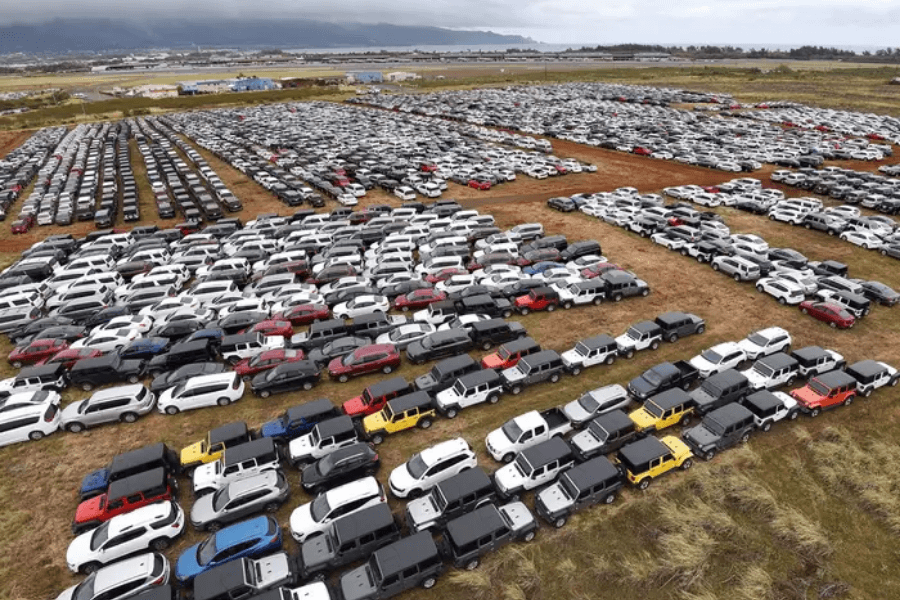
(555,418)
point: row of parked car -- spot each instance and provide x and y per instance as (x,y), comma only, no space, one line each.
(861,188)
(619,117)
(236,473)
(822,289)
(21,166)
(882,129)
(304,152)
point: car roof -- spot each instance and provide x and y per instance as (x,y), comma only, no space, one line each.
(118,392)
(471,526)
(366,486)
(614,420)
(591,472)
(408,401)
(439,451)
(145,514)
(241,452)
(810,352)
(136,483)
(335,425)
(265,479)
(199,380)
(389,386)
(836,378)
(670,398)
(123,570)
(643,450)
(727,377)
(778,360)
(540,357)
(647,327)
(358,524)
(549,450)
(867,368)
(229,431)
(244,530)
(728,414)
(405,553)
(139,456)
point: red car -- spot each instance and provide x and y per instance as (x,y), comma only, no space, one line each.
(303,314)
(711,189)
(368,359)
(825,391)
(508,354)
(123,496)
(70,356)
(542,298)
(560,169)
(479,185)
(641,151)
(21,226)
(829,312)
(264,361)
(445,274)
(35,352)
(417,299)
(674,222)
(598,270)
(271,327)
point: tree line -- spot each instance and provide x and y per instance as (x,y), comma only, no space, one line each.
(884,55)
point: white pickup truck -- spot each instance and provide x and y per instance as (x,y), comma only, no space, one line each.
(525,431)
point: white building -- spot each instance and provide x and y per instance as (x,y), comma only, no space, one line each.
(402,76)
(155,91)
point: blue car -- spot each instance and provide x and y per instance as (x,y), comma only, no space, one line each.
(145,348)
(540,267)
(213,334)
(248,539)
(299,420)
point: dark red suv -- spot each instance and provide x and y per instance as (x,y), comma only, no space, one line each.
(368,359)
(264,361)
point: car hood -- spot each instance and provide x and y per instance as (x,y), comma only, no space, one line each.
(570,357)
(749,347)
(202,510)
(193,453)
(583,441)
(497,441)
(337,366)
(518,514)
(274,569)
(642,418)
(79,550)
(700,436)
(806,396)
(356,584)
(187,567)
(623,341)
(703,365)
(315,552)
(67,594)
(756,380)
(300,447)
(97,480)
(641,388)
(204,476)
(400,479)
(273,428)
(575,412)
(424,382)
(90,509)
(354,407)
(513,374)
(508,478)
(421,512)
(70,413)
(301,521)
(374,422)
(553,499)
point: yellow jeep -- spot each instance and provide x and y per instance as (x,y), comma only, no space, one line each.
(664,410)
(398,414)
(651,457)
(212,448)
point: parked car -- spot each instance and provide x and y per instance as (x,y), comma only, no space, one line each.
(123,403)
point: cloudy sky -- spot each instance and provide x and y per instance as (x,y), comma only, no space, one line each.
(738,22)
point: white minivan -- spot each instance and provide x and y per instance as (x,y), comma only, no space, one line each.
(29,422)
(205,390)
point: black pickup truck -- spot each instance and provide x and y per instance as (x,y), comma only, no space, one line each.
(662,377)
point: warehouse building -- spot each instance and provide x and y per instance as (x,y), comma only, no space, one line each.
(365,77)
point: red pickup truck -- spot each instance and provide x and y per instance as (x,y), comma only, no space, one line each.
(825,391)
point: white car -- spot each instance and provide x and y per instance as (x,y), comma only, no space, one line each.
(151,527)
(204,390)
(361,305)
(584,262)
(170,305)
(245,305)
(142,323)
(455,283)
(123,579)
(667,241)
(750,240)
(313,518)
(782,289)
(720,357)
(765,342)
(429,467)
(344,283)
(844,211)
(787,215)
(108,340)
(403,336)
(863,239)
(347,199)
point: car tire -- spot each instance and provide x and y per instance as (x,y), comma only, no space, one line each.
(654,344)
(404,309)
(782,301)
(567,304)
(508,458)
(745,438)
(610,359)
(576,371)
(429,582)
(808,226)
(645,292)
(377,439)
(88,568)
(551,307)
(767,426)
(128,417)
(644,484)
(737,277)
(804,310)
(673,338)
(343,379)
(709,455)
(685,421)
(472,565)
(554,378)
(833,325)
(684,252)
(17,364)
(159,544)
(424,423)
(701,329)
(272,507)
(308,386)
(715,267)
(223,401)
(171,410)
(265,394)
(451,413)
(687,464)
(560,522)
(387,369)
(524,311)
(516,390)
(884,252)
(759,288)
(493,399)
(35,436)
(598,301)
(815,412)
(849,400)
(213,527)
(629,353)
(793,415)
(617,298)
(87,386)
(487,345)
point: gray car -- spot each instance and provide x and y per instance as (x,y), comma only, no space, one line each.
(238,499)
(124,403)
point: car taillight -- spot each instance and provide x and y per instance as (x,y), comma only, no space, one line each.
(274,539)
(159,580)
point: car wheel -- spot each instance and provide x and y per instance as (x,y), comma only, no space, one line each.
(89,568)
(598,301)
(815,412)
(551,307)
(848,401)
(737,277)
(246,378)
(893,382)
(133,379)
(644,484)
(576,371)
(272,507)
(493,399)
(74,427)
(673,338)
(654,344)
(617,298)
(884,252)
(472,565)
(415,493)
(560,522)
(684,252)
(343,379)
(171,410)
(377,439)
(745,438)
(808,226)
(759,288)
(782,301)
(223,401)
(486,345)
(387,369)
(524,311)
(687,465)
(17,364)
(701,329)
(629,353)
(35,436)
(308,386)
(831,232)
(567,304)
(429,582)
(715,266)
(214,526)
(685,421)
(767,426)
(129,417)
(516,390)
(833,325)
(804,310)
(771,218)
(554,378)
(265,394)
(709,455)
(451,413)
(424,423)
(159,544)
(87,386)
(508,457)
(404,309)
(419,361)
(793,415)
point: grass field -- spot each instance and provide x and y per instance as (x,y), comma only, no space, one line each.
(808,510)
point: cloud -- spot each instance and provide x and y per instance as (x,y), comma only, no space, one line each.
(824,22)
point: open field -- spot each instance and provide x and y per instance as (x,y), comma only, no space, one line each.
(806,511)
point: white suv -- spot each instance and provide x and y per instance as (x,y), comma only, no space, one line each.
(765,342)
(313,518)
(123,579)
(28,416)
(431,466)
(150,527)
(720,357)
(204,390)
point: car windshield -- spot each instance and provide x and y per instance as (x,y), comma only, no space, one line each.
(652,377)
(582,349)
(255,360)
(101,534)
(220,499)
(459,388)
(270,375)
(817,386)
(712,356)
(567,488)
(763,369)
(427,342)
(599,432)
(319,508)
(757,339)
(654,409)
(349,360)
(179,389)
(416,466)
(588,403)
(206,551)
(633,333)
(713,426)
(85,590)
(503,353)
(326,465)
(512,430)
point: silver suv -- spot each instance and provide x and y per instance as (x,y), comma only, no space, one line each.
(123,403)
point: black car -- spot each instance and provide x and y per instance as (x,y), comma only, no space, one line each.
(439,345)
(881,293)
(69,333)
(178,329)
(562,204)
(579,249)
(341,466)
(720,429)
(145,348)
(522,287)
(235,322)
(182,353)
(475,290)
(182,374)
(405,287)
(487,334)
(106,315)
(287,377)
(88,373)
(336,349)
(39,325)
